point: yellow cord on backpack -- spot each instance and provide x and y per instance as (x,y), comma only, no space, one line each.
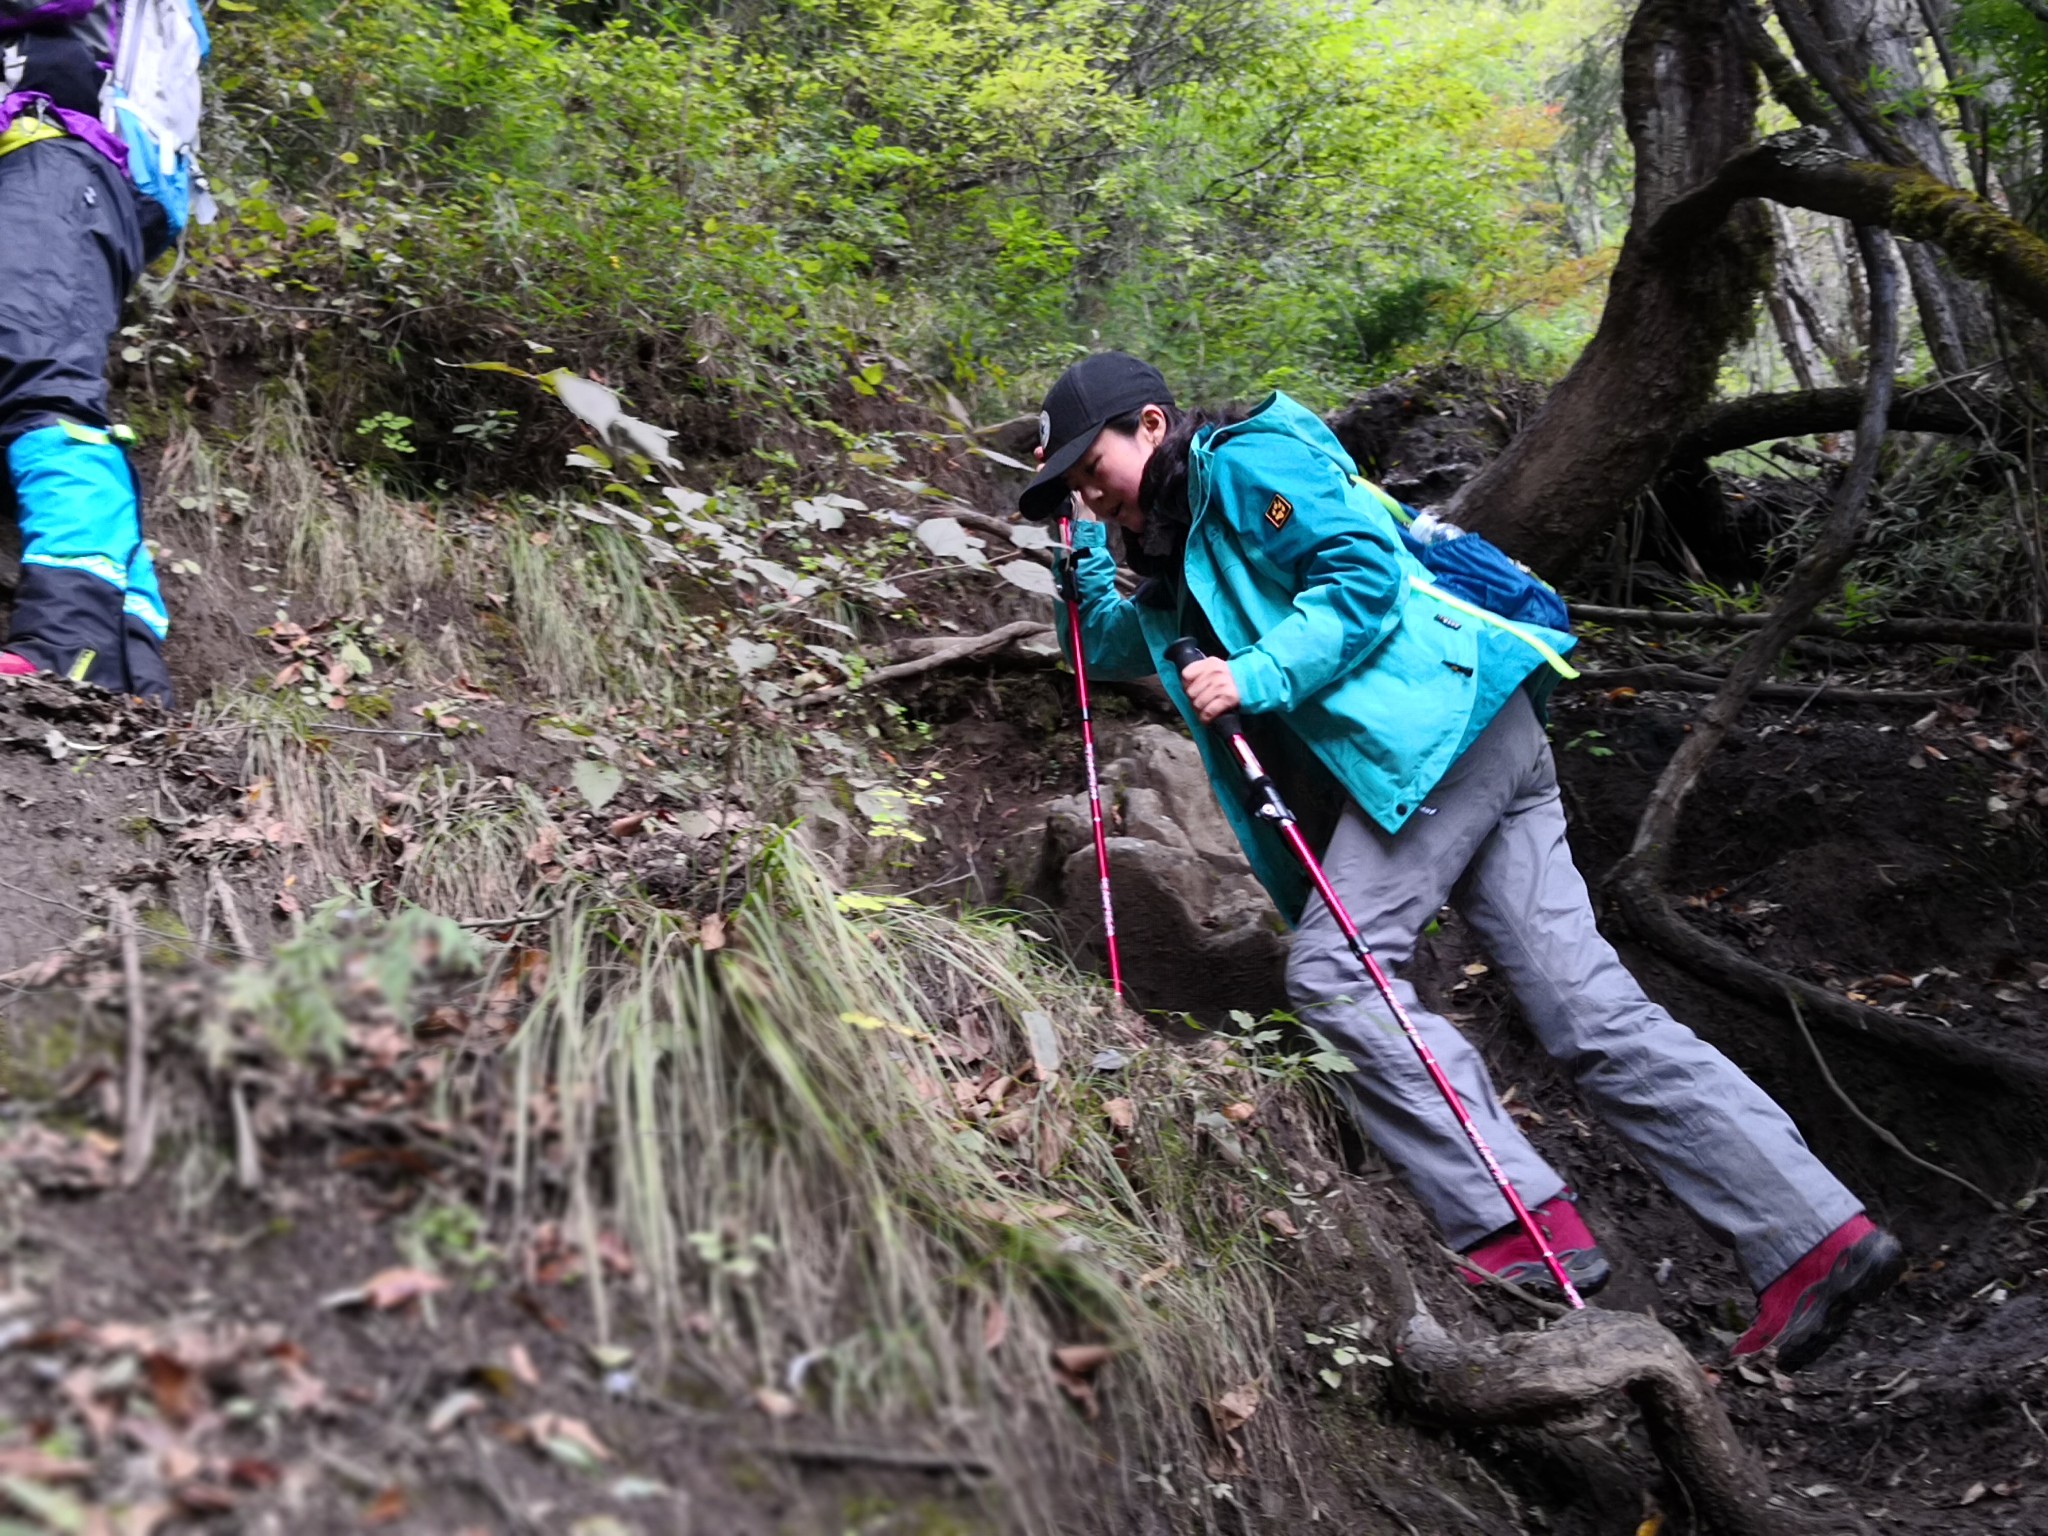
(82,665)
(24,131)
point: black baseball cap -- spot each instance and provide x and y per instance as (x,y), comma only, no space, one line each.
(1086,398)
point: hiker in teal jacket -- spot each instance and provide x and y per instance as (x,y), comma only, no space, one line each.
(1404,726)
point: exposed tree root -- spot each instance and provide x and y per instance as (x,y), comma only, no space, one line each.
(1882,1133)
(1578,1363)
(1534,1378)
(1654,921)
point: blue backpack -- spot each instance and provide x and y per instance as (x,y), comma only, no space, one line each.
(1474,568)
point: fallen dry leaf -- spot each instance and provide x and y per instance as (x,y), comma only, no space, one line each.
(628,826)
(387,1508)
(711,932)
(452,1410)
(995,1327)
(40,1466)
(566,1439)
(1121,1113)
(777,1405)
(1234,1409)
(1238,1113)
(520,1363)
(1280,1222)
(1081,1359)
(173,1387)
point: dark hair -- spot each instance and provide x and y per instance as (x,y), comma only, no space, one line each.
(1163,491)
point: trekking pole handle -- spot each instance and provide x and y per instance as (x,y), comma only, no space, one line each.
(1263,793)
(1184,653)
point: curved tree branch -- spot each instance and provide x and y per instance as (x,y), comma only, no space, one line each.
(1804,171)
(1813,579)
(1731,424)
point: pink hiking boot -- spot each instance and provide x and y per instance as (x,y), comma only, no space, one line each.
(12,665)
(1512,1255)
(1804,1310)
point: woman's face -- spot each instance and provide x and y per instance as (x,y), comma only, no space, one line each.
(1107,476)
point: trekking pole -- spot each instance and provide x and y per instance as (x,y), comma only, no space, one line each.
(1116,974)
(1268,805)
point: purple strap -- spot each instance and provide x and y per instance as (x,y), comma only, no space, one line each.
(80,125)
(43,15)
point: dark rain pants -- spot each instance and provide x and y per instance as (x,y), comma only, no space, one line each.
(71,242)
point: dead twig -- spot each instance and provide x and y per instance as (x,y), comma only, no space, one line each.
(1877,1130)
(1462,1264)
(137,1133)
(517,920)
(1981,632)
(962,650)
(847,1453)
(230,914)
(1658,675)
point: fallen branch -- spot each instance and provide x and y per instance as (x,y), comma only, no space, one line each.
(1882,1133)
(924,645)
(137,1133)
(1986,632)
(959,650)
(1659,676)
(846,1453)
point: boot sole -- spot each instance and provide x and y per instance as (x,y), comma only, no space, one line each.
(1536,1278)
(1862,1274)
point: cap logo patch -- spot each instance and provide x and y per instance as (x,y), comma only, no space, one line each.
(1044,430)
(1281,510)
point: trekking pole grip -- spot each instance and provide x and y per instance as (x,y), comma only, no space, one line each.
(1184,653)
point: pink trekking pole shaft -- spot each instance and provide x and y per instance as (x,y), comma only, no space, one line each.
(1116,973)
(1268,805)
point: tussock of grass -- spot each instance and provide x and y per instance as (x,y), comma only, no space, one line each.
(447,837)
(773,1129)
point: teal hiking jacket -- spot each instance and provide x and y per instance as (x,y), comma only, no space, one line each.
(1326,620)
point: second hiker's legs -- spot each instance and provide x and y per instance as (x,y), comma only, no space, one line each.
(1393,885)
(70,244)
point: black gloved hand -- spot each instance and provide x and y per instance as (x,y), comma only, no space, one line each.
(1063,575)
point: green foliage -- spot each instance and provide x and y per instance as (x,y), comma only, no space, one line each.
(763,197)
(344,949)
(2006,46)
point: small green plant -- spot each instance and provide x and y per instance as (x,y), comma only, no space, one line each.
(389,429)
(1348,1344)
(1588,742)
(449,1234)
(489,429)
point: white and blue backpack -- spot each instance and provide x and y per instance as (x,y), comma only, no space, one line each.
(152,102)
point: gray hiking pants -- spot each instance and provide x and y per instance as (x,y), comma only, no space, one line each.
(1491,839)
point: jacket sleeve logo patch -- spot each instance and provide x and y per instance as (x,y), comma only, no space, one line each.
(1281,510)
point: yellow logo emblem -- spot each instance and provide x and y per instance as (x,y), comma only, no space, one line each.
(1281,510)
